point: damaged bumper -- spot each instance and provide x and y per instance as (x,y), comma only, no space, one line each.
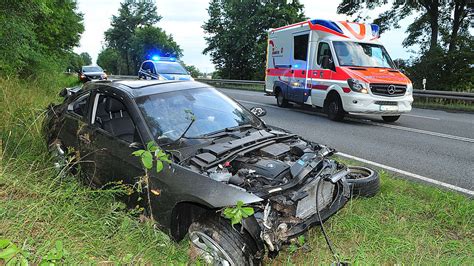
(291,214)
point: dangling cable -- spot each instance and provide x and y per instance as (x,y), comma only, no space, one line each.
(328,241)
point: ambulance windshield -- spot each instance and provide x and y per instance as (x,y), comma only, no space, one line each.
(362,55)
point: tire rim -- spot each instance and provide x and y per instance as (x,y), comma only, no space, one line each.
(59,154)
(358,173)
(211,252)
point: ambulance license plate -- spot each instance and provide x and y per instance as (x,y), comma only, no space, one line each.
(388,107)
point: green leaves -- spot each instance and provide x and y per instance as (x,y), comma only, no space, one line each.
(55,255)
(132,35)
(301,240)
(237,213)
(11,254)
(243,46)
(151,154)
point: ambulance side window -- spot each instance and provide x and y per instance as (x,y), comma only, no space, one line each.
(300,47)
(324,56)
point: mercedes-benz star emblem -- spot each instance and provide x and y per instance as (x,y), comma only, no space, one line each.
(391,89)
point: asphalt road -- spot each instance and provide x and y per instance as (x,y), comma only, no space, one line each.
(425,144)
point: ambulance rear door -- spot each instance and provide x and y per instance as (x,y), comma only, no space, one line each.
(297,91)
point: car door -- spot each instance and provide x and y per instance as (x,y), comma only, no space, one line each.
(108,154)
(322,75)
(297,91)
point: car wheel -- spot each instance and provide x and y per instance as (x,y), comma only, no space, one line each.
(218,243)
(363,181)
(334,108)
(390,119)
(281,101)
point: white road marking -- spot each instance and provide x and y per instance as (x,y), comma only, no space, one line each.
(409,129)
(412,175)
(256,103)
(392,169)
(421,116)
(421,131)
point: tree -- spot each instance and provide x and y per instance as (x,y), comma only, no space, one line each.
(434,18)
(37,35)
(111,61)
(237,42)
(132,15)
(194,71)
(61,25)
(441,29)
(149,41)
(86,58)
(74,62)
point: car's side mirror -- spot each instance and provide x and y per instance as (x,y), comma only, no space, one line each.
(258,111)
(136,145)
(64,93)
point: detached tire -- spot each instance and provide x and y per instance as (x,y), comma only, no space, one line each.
(363,181)
(281,101)
(218,243)
(334,108)
(390,119)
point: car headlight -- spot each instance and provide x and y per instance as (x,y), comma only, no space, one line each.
(358,86)
(410,89)
(296,84)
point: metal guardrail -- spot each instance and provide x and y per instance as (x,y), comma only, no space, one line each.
(447,95)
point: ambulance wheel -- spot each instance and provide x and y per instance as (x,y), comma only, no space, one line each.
(281,101)
(334,108)
(390,119)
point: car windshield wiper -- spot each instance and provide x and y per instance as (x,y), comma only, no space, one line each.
(229,129)
(183,135)
(221,132)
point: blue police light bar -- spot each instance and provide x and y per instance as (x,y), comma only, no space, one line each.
(161,58)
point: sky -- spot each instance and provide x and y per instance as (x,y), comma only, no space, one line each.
(183,19)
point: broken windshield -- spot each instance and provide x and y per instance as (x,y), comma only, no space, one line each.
(168,114)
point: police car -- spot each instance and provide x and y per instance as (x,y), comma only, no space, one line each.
(163,68)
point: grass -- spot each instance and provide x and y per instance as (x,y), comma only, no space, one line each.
(440,104)
(406,223)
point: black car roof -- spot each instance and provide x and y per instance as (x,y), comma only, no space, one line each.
(139,88)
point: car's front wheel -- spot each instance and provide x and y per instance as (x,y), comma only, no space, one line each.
(334,108)
(281,101)
(363,181)
(63,161)
(215,241)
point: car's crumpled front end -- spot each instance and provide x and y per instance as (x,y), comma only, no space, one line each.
(288,215)
(298,181)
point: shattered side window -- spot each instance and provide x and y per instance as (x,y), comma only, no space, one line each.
(79,106)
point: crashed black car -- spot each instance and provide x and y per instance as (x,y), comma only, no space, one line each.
(224,155)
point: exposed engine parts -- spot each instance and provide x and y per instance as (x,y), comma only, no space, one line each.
(268,169)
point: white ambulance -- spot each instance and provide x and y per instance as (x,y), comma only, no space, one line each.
(339,66)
